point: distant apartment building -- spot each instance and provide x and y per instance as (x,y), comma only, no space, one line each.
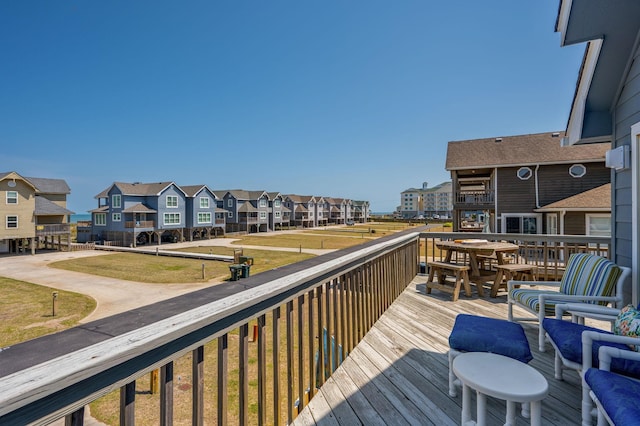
(427,202)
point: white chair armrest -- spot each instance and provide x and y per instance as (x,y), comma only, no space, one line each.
(588,337)
(606,353)
(585,309)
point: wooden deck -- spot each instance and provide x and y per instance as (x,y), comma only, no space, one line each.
(398,374)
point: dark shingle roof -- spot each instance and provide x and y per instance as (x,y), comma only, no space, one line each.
(50,186)
(540,148)
(45,207)
(596,199)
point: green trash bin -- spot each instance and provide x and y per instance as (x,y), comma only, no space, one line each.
(236,272)
(245,270)
(245,260)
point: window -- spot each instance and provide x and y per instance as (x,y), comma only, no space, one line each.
(12,222)
(524,173)
(577,170)
(276,203)
(172,201)
(204,202)
(116,217)
(277,214)
(230,214)
(12,197)
(172,218)
(100,219)
(230,202)
(598,224)
(263,215)
(204,217)
(116,201)
(262,202)
(521,223)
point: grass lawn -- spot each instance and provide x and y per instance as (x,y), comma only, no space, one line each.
(164,269)
(26,310)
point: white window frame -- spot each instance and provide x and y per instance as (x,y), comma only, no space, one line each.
(230,214)
(230,202)
(169,201)
(522,216)
(524,169)
(584,170)
(587,222)
(118,204)
(262,202)
(116,217)
(552,224)
(100,219)
(204,202)
(167,219)
(276,203)
(9,197)
(263,215)
(277,214)
(10,220)
(204,217)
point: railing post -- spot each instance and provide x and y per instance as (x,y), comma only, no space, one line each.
(300,315)
(262,371)
(276,365)
(289,325)
(243,377)
(223,350)
(166,395)
(75,419)
(197,372)
(128,404)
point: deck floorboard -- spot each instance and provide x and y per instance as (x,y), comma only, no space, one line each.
(398,374)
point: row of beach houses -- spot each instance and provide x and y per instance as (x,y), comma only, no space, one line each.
(130,214)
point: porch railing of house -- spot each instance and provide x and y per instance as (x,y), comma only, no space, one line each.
(307,320)
(53,229)
(140,224)
(548,252)
(474,197)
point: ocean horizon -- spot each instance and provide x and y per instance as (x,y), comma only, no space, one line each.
(75,218)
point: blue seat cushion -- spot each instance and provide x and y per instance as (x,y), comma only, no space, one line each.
(473,333)
(618,395)
(567,336)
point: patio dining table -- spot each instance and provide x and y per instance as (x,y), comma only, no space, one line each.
(473,248)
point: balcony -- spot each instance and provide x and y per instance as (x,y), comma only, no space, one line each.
(140,224)
(53,229)
(383,358)
(473,199)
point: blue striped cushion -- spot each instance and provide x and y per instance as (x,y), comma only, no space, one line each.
(529,298)
(589,275)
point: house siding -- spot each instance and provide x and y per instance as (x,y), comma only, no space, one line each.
(23,210)
(626,113)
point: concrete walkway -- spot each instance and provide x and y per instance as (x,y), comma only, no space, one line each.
(112,295)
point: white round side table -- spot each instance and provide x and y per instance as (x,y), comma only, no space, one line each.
(503,378)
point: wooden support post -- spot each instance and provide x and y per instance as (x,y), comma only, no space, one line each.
(166,395)
(128,404)
(75,419)
(154,381)
(243,375)
(197,397)
(223,358)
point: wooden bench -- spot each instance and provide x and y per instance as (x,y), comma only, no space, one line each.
(461,272)
(512,271)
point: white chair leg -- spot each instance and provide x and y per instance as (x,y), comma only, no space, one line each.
(541,333)
(452,377)
(587,404)
(558,367)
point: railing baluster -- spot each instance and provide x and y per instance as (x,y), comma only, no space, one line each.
(243,376)
(320,337)
(223,355)
(300,326)
(166,394)
(197,394)
(75,419)
(311,344)
(290,400)
(128,404)
(262,371)
(276,365)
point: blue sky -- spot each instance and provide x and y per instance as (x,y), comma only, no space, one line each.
(353,99)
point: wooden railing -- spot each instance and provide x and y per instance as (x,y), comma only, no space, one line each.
(548,252)
(52,229)
(140,224)
(304,322)
(474,197)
